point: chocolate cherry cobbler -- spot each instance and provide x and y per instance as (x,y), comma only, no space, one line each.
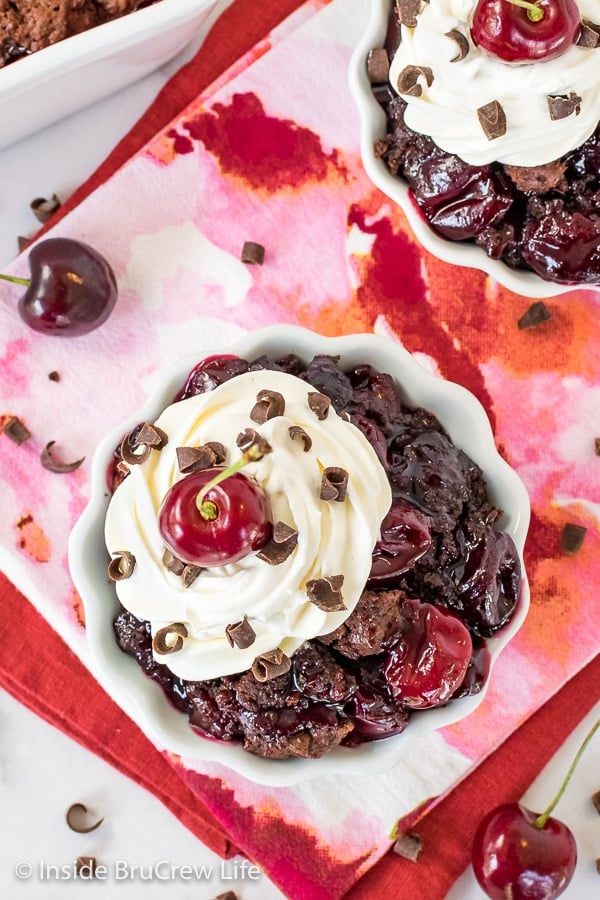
(492,118)
(302,560)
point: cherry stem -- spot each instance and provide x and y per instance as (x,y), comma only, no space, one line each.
(534,12)
(15,280)
(543,818)
(207,508)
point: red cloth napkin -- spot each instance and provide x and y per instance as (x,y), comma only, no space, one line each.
(90,717)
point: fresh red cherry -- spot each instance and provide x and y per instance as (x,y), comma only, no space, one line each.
(405,538)
(231,519)
(525,855)
(429,661)
(72,289)
(525,32)
(513,857)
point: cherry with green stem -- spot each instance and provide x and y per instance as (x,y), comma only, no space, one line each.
(520,31)
(72,289)
(525,855)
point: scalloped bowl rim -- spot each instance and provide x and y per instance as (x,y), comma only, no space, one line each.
(143,700)
(372,127)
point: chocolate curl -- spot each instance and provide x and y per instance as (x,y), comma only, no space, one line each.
(240,634)
(334,484)
(121,565)
(189,574)
(462,44)
(253,253)
(172,563)
(280,546)
(49,463)
(14,429)
(73,818)
(269,404)
(44,209)
(408,846)
(589,35)
(249,438)
(492,120)
(137,445)
(194,459)
(572,538)
(408,80)
(161,640)
(560,107)
(407,12)
(319,404)
(271,665)
(326,593)
(296,432)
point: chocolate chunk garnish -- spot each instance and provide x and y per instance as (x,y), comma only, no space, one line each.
(326,593)
(250,438)
(163,643)
(319,404)
(378,66)
(280,546)
(44,209)
(408,80)
(561,106)
(537,313)
(462,44)
(22,242)
(52,465)
(121,565)
(240,634)
(408,846)
(151,436)
(492,120)
(75,822)
(334,483)
(271,665)
(86,865)
(269,404)
(194,459)
(54,375)
(253,253)
(295,432)
(407,12)
(572,538)
(589,35)
(172,563)
(189,574)
(596,801)
(597,446)
(14,429)
(227,895)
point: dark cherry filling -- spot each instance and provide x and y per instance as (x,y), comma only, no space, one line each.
(437,546)
(545,219)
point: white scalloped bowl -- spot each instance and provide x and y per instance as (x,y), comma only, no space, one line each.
(467,424)
(373,127)
(42,88)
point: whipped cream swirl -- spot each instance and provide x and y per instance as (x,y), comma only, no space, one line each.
(333,537)
(447,110)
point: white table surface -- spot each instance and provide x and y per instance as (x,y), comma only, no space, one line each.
(41,770)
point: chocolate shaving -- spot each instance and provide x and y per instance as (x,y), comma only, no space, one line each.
(326,593)
(378,66)
(74,820)
(240,634)
(269,404)
(560,107)
(270,665)
(250,438)
(597,446)
(14,429)
(334,483)
(596,801)
(408,846)
(189,574)
(462,44)
(280,546)
(172,563)
(492,120)
(151,436)
(121,565)
(319,404)
(295,432)
(161,642)
(44,209)
(253,253)
(407,12)
(54,375)
(598,866)
(52,465)
(572,538)
(85,864)
(194,459)
(408,80)
(589,35)
(22,242)
(537,313)
(227,895)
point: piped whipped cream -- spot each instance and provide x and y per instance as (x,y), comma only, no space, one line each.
(446,110)
(333,537)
